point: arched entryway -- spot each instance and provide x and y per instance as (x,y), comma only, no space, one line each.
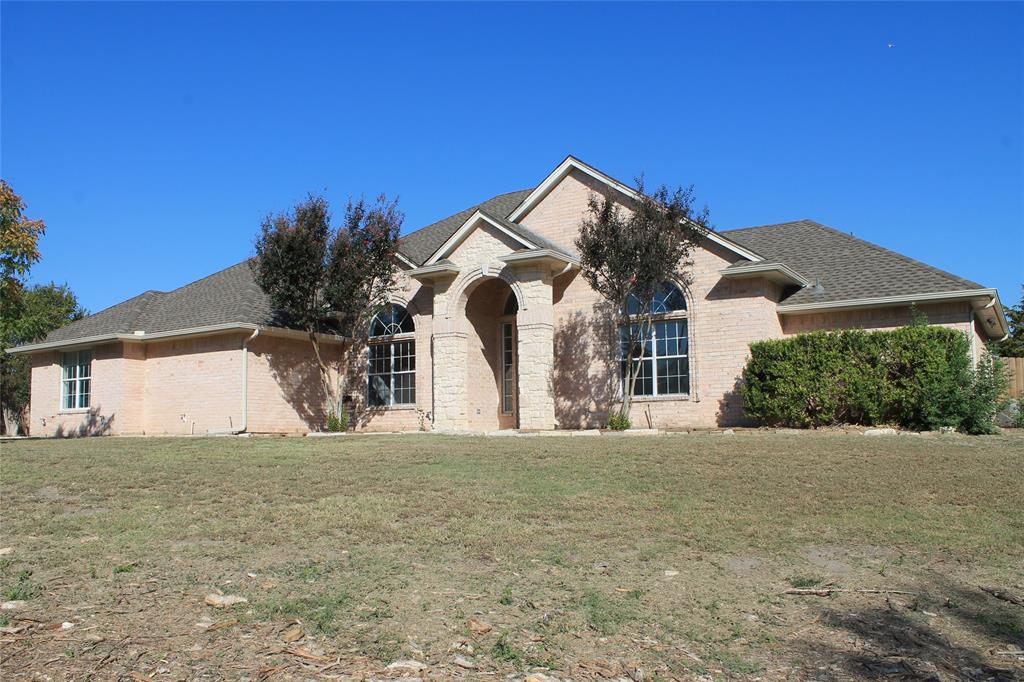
(492,395)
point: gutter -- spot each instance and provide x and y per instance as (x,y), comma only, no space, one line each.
(245,391)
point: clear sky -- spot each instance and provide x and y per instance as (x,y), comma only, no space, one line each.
(153,138)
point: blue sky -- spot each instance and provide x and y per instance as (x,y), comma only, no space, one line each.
(153,138)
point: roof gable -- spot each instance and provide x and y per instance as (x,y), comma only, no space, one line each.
(420,245)
(475,222)
(571,163)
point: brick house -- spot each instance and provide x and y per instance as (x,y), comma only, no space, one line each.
(492,328)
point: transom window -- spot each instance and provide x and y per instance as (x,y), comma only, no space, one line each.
(76,380)
(511,305)
(392,358)
(394,319)
(662,355)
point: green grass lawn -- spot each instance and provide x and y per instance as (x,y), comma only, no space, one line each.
(587,557)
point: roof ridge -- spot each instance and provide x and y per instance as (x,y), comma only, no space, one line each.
(759,227)
(212,274)
(126,301)
(472,207)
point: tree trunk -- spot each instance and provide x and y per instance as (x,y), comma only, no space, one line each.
(633,364)
(325,376)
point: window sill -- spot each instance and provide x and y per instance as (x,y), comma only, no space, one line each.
(391,408)
(77,410)
(660,398)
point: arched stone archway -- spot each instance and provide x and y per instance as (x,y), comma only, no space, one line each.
(468,367)
(490,326)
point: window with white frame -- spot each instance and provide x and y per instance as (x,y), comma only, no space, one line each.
(392,358)
(76,380)
(661,357)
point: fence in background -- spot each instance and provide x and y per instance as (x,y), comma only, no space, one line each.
(1016,366)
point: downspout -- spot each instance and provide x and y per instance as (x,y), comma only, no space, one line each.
(245,391)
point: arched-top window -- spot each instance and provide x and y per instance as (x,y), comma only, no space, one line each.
(511,304)
(668,298)
(394,319)
(392,358)
(662,356)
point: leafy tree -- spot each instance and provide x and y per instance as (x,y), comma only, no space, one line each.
(330,280)
(627,253)
(40,310)
(19,251)
(19,242)
(1013,345)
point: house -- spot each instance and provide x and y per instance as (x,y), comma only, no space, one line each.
(492,328)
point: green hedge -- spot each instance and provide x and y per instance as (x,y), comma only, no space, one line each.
(916,377)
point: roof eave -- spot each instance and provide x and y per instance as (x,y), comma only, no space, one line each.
(556,259)
(207,330)
(981,300)
(776,272)
(435,271)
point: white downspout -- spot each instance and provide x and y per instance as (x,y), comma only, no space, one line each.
(245,390)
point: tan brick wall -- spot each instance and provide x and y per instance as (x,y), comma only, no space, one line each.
(557,216)
(286,394)
(111,410)
(193,385)
(724,318)
(419,301)
(953,315)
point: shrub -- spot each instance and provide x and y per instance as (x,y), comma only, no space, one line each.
(336,424)
(618,422)
(918,377)
(986,395)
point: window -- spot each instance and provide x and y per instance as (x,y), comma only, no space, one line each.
(76,380)
(511,305)
(663,355)
(508,369)
(392,358)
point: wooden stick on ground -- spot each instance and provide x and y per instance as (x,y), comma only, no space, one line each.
(1003,594)
(827,591)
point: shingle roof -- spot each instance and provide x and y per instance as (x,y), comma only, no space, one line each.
(847,267)
(420,245)
(230,295)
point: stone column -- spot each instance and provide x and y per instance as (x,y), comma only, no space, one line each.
(536,331)
(448,354)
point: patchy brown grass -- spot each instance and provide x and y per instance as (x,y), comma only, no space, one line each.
(589,557)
